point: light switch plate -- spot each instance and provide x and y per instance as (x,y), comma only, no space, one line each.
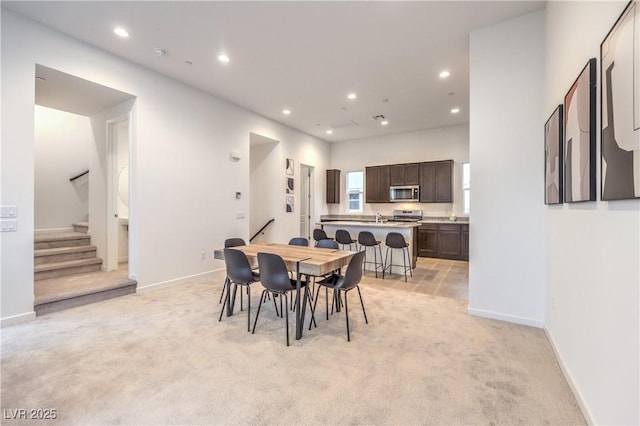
(9,225)
(9,211)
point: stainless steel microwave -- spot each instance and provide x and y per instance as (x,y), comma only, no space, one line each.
(404,194)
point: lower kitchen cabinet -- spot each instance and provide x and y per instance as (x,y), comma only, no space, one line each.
(444,240)
(428,240)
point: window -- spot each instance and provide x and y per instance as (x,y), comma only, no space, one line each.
(466,186)
(355,184)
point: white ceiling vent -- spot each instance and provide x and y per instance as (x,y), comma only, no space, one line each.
(378,117)
(344,125)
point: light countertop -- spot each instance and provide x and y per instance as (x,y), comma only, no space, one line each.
(357,224)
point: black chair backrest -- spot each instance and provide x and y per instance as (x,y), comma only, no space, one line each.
(343,236)
(238,267)
(354,272)
(328,244)
(319,234)
(366,238)
(273,272)
(234,242)
(299,241)
(395,240)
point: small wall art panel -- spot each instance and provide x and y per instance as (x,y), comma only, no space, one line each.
(289,185)
(553,158)
(580,137)
(620,107)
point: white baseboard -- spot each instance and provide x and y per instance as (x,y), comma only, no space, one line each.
(204,276)
(532,322)
(17,319)
(567,376)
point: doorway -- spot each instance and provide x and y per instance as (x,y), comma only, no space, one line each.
(118,137)
(306,201)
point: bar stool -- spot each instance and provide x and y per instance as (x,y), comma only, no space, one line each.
(366,239)
(319,234)
(343,237)
(395,241)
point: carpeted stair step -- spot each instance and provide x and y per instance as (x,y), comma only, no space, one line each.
(82,227)
(48,240)
(63,254)
(56,294)
(70,267)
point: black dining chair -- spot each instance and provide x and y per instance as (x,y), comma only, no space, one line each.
(299,241)
(343,237)
(275,280)
(239,273)
(344,284)
(328,244)
(366,240)
(228,243)
(395,241)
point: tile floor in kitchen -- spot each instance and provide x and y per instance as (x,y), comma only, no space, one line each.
(436,277)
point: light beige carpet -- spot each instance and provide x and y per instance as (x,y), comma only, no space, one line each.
(162,357)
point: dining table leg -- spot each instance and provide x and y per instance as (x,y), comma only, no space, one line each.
(227,282)
(299,311)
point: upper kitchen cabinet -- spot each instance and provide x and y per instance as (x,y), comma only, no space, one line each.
(377,182)
(404,174)
(333,186)
(435,182)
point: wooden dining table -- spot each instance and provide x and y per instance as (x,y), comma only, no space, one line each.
(309,261)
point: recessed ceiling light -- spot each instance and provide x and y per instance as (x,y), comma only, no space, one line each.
(384,123)
(455,110)
(286,111)
(40,78)
(444,74)
(188,63)
(121,32)
(223,58)
(160,51)
(351,96)
(329,131)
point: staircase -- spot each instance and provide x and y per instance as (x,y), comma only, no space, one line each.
(67,272)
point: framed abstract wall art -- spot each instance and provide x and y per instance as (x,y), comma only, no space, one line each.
(620,107)
(553,158)
(580,137)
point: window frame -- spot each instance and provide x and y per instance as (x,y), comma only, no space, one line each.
(359,191)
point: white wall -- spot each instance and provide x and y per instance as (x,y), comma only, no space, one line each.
(62,143)
(593,249)
(266,187)
(446,143)
(181,202)
(507,234)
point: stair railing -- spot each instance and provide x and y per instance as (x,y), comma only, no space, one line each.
(79,176)
(262,229)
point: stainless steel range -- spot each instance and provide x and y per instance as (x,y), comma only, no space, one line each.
(406,216)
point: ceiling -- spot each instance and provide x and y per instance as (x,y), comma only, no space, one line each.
(59,90)
(301,56)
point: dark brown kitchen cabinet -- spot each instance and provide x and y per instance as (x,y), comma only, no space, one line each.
(404,174)
(377,182)
(333,186)
(449,244)
(428,240)
(444,240)
(464,242)
(435,182)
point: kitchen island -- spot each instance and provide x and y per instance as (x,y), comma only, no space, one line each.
(409,231)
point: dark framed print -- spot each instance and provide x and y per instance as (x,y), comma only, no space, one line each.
(553,158)
(580,137)
(620,107)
